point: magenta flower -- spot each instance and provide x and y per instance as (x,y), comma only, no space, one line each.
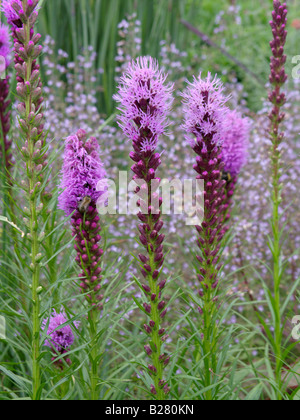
(82,170)
(5,44)
(11,9)
(204,111)
(60,338)
(145,100)
(235,133)
(5,113)
(205,115)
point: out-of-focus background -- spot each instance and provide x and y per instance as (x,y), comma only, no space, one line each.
(238,26)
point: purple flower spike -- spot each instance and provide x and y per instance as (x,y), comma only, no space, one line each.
(60,339)
(5,44)
(204,111)
(205,114)
(145,100)
(10,8)
(5,113)
(235,133)
(82,170)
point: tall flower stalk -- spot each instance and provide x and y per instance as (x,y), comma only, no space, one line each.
(145,100)
(21,16)
(5,115)
(278,78)
(82,171)
(235,135)
(205,113)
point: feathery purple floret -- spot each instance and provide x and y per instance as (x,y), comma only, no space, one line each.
(235,134)
(10,8)
(203,106)
(82,170)
(59,338)
(144,104)
(5,44)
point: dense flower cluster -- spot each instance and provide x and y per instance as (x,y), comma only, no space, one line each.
(82,171)
(235,134)
(60,338)
(204,111)
(5,44)
(144,104)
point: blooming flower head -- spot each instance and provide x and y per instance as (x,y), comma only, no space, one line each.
(236,130)
(145,100)
(11,9)
(5,46)
(60,338)
(204,109)
(82,171)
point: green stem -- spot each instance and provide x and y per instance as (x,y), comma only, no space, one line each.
(93,320)
(277,258)
(33,225)
(156,339)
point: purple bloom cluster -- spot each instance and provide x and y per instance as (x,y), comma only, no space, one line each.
(145,102)
(234,152)
(13,11)
(5,44)
(60,338)
(82,170)
(205,113)
(235,134)
(5,113)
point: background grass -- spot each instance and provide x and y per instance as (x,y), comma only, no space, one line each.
(77,24)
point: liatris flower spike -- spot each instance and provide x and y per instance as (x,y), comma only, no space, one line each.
(205,113)
(235,135)
(5,113)
(60,339)
(277,79)
(21,16)
(82,170)
(145,101)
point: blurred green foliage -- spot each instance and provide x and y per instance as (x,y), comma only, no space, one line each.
(77,24)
